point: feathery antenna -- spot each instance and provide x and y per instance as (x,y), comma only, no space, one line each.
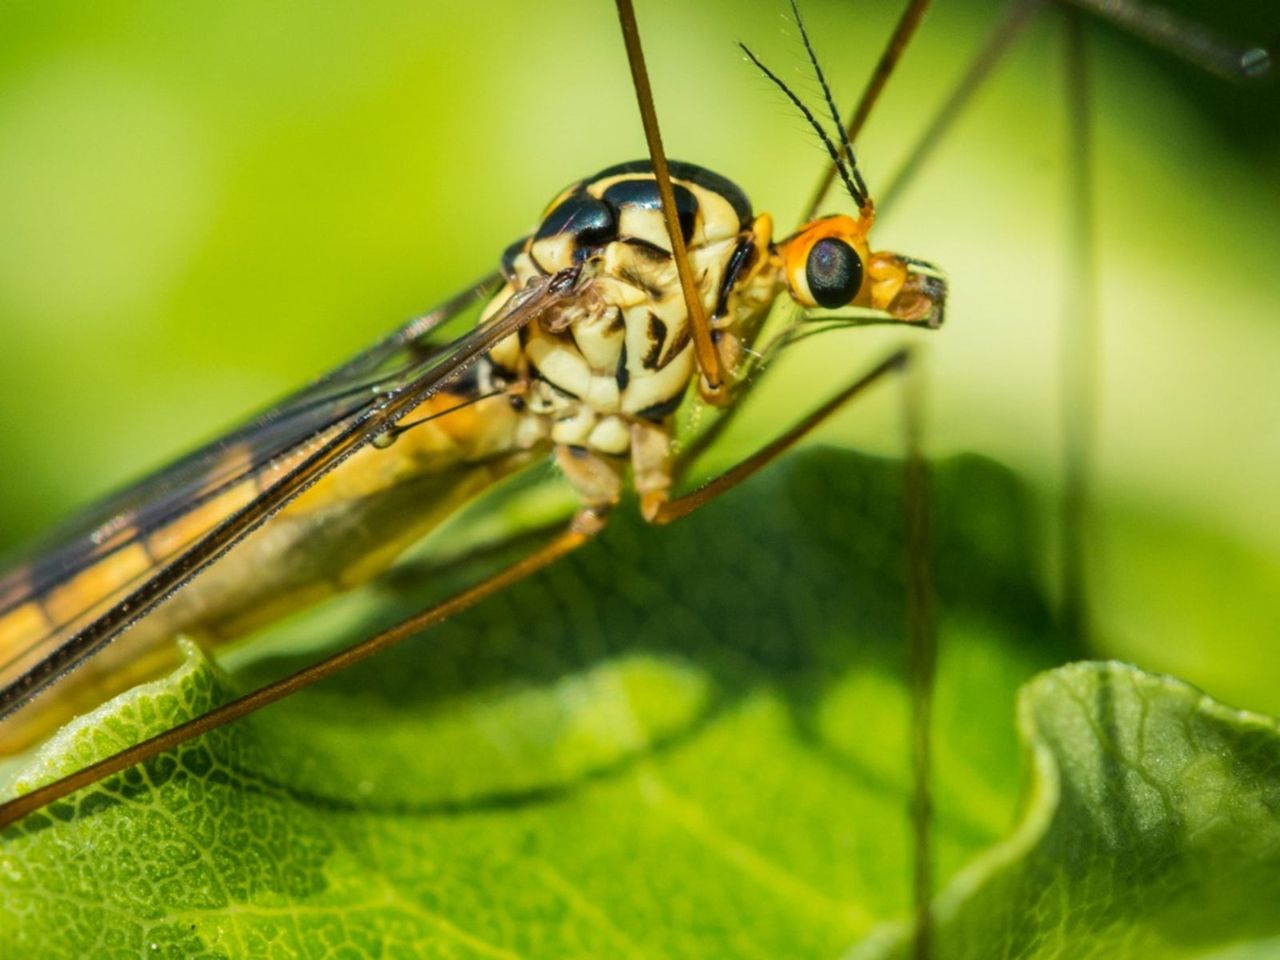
(859,196)
(846,161)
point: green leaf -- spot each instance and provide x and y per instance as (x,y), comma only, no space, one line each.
(686,742)
(1151,828)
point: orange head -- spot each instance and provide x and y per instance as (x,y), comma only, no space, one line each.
(828,265)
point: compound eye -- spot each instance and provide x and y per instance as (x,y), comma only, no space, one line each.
(834,272)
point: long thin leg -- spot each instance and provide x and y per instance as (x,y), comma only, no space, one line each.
(922,653)
(584,525)
(1009,27)
(668,510)
(921,623)
(1184,38)
(1079,342)
(713,387)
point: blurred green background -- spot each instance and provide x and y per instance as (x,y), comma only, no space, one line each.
(204,204)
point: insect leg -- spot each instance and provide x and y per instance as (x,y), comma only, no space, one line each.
(1009,27)
(712,384)
(920,616)
(584,525)
(658,509)
(922,660)
(1079,344)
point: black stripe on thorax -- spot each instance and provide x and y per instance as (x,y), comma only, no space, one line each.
(690,173)
(740,261)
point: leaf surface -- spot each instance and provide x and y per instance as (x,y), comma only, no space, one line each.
(687,742)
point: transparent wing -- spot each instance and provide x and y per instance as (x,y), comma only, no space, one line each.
(313,431)
(124,517)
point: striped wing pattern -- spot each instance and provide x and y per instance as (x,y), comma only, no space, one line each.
(282,451)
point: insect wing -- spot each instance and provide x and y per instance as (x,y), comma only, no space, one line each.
(165,495)
(313,431)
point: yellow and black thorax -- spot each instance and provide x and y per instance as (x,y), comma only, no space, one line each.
(624,354)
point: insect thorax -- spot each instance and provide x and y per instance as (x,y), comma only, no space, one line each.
(623,356)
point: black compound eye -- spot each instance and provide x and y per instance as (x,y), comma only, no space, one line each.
(834,272)
(588,220)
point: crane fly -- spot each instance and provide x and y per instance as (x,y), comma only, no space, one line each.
(644,286)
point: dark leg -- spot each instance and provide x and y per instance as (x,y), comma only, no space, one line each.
(921,625)
(1009,28)
(1079,345)
(661,511)
(922,654)
(584,525)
